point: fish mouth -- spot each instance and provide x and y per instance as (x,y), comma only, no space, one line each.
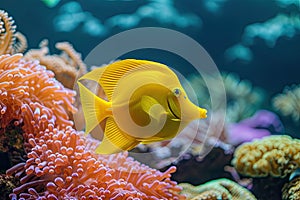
(170,108)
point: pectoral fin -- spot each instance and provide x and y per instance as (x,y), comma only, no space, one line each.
(115,140)
(152,107)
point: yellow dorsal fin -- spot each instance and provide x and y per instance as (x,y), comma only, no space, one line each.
(94,108)
(115,140)
(93,75)
(109,76)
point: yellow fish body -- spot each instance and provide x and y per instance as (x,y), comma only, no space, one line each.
(146,103)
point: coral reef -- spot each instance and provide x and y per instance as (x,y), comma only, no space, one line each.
(291,190)
(287,102)
(67,66)
(10,41)
(215,190)
(276,155)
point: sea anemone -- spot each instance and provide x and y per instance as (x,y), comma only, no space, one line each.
(30,95)
(62,165)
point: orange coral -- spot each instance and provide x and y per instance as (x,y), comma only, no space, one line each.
(29,94)
(67,66)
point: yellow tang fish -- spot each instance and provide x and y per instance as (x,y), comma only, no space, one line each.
(146,103)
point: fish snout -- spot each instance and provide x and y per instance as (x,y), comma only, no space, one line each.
(203,112)
(194,112)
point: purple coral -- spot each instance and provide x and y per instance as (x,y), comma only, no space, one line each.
(262,123)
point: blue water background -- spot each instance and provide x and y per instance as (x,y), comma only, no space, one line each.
(270,68)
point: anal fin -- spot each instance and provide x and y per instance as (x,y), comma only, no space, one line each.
(115,140)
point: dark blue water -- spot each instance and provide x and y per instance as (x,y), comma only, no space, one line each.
(271,68)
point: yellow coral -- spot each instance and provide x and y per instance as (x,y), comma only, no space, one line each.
(217,189)
(276,155)
(291,190)
(288,102)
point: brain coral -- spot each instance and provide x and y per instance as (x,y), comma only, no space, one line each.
(219,189)
(276,155)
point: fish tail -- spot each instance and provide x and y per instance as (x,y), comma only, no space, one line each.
(94,108)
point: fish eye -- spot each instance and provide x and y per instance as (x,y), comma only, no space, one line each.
(177,92)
